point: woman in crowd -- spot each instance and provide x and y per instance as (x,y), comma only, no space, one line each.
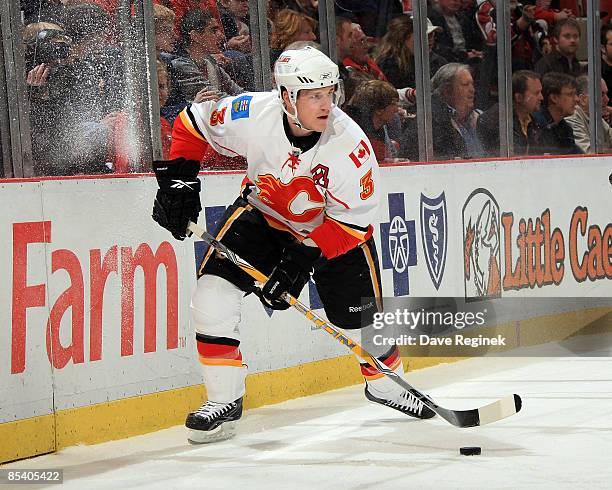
(395,54)
(290,26)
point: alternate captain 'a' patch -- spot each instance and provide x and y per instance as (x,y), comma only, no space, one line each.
(241,107)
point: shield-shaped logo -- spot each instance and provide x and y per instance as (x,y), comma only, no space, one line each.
(434,234)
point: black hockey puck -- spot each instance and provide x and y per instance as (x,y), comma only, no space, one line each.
(470,450)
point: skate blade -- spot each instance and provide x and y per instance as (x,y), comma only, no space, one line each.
(225,431)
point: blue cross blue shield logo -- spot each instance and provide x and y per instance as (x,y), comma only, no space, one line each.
(398,244)
(434,233)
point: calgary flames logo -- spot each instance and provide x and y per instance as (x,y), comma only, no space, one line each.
(297,201)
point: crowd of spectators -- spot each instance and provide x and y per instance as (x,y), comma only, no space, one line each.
(79,101)
(549,90)
(76,92)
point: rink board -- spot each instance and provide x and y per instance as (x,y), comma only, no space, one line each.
(95,341)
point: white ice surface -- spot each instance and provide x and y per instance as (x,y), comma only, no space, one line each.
(561,439)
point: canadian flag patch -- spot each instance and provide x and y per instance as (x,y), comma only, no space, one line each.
(360,154)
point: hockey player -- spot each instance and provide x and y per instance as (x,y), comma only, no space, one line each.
(307,203)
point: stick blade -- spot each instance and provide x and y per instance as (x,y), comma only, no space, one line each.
(500,409)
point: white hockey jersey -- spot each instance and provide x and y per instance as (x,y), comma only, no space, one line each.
(329,193)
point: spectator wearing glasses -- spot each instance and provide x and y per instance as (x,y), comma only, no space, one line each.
(359,59)
(579,121)
(453,117)
(560,99)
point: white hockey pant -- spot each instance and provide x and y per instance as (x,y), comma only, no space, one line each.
(215,312)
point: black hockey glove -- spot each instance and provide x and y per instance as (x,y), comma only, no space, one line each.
(178,198)
(289,276)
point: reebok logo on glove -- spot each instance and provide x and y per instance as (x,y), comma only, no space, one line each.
(178,200)
(181,184)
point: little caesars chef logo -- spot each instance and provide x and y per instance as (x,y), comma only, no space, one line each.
(481,246)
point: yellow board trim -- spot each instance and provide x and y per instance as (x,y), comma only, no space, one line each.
(28,437)
(137,415)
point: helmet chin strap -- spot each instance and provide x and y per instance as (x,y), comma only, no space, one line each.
(294,117)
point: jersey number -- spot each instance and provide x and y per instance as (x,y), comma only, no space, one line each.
(367,185)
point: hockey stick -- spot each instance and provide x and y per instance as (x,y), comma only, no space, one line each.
(492,412)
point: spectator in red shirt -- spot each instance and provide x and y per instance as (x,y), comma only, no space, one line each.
(553,11)
(359,60)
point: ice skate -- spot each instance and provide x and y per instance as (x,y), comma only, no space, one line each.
(213,422)
(399,399)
